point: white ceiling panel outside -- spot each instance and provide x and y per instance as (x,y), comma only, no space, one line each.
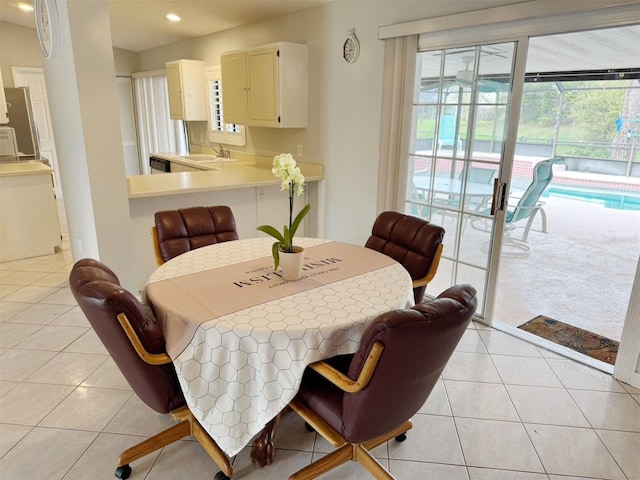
(605,49)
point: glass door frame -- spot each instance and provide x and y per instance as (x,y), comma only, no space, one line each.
(496,222)
(506,169)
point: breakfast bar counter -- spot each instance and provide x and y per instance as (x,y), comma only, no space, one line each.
(225,175)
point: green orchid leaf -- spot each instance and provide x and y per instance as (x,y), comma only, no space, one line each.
(269,230)
(298,220)
(275,251)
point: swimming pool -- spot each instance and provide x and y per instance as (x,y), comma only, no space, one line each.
(616,200)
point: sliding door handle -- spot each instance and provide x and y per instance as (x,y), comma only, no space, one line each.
(497,203)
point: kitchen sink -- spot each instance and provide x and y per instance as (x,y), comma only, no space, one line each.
(204,158)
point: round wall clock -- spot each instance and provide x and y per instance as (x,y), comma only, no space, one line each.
(46,12)
(351,47)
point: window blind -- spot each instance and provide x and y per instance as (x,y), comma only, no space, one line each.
(156,131)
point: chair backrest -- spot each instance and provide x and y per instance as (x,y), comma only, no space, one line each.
(542,176)
(185,229)
(411,241)
(479,175)
(417,345)
(99,294)
(447,130)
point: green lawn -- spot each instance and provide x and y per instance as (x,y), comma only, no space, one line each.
(531,132)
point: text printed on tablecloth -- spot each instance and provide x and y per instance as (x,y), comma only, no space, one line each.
(309,268)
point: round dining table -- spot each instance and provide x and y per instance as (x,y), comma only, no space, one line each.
(241,336)
(453,186)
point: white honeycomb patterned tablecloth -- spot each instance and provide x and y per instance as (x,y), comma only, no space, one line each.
(241,369)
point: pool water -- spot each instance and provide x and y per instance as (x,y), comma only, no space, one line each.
(616,200)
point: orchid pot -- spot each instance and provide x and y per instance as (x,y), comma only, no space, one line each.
(291,264)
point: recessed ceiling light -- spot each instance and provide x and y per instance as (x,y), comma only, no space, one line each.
(172,17)
(25,7)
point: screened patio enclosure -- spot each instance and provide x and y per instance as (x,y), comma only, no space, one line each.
(582,107)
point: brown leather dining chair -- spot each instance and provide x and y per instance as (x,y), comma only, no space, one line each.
(136,343)
(412,242)
(357,402)
(179,231)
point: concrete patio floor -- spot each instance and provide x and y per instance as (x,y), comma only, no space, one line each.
(580,272)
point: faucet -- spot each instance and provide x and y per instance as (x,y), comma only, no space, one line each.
(221,153)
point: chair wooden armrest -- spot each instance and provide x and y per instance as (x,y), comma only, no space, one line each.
(432,269)
(156,246)
(343,382)
(150,358)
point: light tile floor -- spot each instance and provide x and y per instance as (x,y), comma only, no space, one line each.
(503,409)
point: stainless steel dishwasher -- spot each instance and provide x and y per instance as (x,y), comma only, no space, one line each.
(159,165)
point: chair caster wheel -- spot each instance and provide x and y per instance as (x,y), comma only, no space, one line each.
(123,472)
(402,437)
(308,427)
(221,476)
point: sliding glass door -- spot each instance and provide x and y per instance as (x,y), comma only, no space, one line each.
(505,145)
(461,106)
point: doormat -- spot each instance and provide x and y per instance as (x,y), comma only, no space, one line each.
(588,343)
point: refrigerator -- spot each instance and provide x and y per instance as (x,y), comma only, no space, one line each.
(21,119)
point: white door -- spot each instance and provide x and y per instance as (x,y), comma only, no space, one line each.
(34,79)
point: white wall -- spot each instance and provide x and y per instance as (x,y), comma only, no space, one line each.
(18,48)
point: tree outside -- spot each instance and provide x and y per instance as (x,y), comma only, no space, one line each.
(586,118)
(589,119)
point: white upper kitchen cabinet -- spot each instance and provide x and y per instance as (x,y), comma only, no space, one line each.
(266,86)
(187,90)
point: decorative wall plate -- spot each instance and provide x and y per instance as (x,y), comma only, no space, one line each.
(46,12)
(351,47)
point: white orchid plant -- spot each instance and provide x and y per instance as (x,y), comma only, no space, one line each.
(284,167)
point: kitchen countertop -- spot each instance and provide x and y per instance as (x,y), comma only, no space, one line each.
(23,158)
(24,167)
(247,172)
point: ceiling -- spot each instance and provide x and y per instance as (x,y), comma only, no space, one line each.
(138,25)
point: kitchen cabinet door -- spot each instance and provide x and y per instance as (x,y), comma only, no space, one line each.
(262,77)
(29,222)
(266,86)
(186,85)
(235,101)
